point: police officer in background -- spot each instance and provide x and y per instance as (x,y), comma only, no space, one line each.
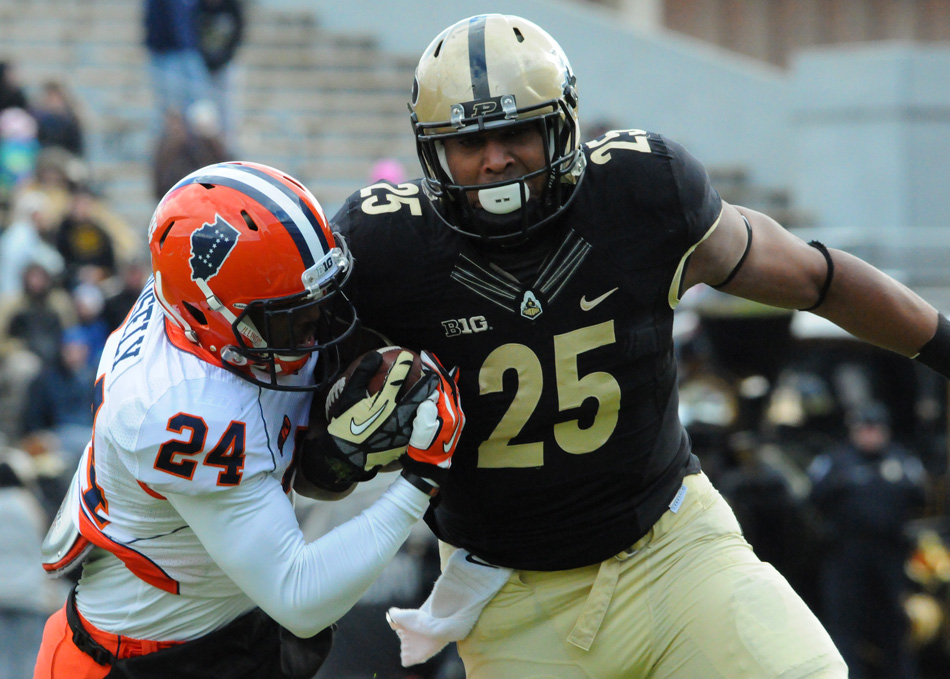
(866,490)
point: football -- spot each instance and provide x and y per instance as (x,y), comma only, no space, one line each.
(390,356)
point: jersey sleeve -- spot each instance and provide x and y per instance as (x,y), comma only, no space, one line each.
(251,532)
(196,438)
(699,202)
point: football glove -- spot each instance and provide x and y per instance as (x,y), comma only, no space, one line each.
(353,451)
(437,425)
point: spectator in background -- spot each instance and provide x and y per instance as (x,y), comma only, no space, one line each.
(57,119)
(18,150)
(122,290)
(188,142)
(178,72)
(25,594)
(91,326)
(220,33)
(59,399)
(36,319)
(26,241)
(767,491)
(84,242)
(30,326)
(388,169)
(11,93)
(866,491)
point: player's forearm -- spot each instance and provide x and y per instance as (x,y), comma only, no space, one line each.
(252,534)
(342,564)
(874,307)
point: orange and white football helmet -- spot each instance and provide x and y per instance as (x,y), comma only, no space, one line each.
(247,268)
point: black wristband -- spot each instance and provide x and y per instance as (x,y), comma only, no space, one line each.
(935,354)
(425,486)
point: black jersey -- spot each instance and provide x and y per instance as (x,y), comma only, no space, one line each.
(573,446)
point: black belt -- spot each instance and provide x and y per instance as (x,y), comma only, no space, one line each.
(250,646)
(81,637)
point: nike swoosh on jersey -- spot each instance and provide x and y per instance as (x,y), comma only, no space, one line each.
(358,428)
(587,306)
(471,558)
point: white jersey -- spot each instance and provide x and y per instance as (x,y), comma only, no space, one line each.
(185,488)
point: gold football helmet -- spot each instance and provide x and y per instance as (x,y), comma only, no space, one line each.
(484,73)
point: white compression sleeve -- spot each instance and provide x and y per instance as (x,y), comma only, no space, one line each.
(252,534)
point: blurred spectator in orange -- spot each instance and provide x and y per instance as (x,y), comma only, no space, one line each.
(57,119)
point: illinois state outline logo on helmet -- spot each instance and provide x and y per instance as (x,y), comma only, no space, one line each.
(247,268)
(210,247)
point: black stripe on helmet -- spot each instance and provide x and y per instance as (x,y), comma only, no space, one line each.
(476,58)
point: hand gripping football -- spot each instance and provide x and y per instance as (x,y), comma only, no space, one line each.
(395,368)
(371,406)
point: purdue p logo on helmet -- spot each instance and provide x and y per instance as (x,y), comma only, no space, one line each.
(485,73)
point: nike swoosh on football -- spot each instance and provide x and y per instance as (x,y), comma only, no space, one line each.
(587,306)
(358,428)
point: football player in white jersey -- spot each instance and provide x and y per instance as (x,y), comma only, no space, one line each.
(193,563)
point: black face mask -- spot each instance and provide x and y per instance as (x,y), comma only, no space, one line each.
(516,225)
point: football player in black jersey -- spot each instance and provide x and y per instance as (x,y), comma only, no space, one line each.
(547,270)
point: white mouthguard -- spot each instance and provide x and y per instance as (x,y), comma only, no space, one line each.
(502,199)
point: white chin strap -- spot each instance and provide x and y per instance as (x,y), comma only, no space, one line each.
(502,200)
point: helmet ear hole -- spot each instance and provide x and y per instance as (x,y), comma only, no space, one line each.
(248,220)
(196,313)
(161,241)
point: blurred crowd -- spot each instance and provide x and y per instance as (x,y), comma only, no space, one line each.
(70,270)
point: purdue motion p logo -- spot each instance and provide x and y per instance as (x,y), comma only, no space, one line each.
(210,246)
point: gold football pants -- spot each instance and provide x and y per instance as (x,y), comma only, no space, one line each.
(688,600)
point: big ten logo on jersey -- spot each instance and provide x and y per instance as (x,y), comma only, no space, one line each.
(133,330)
(465,326)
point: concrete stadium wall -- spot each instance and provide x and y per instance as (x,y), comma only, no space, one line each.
(713,102)
(872,130)
(858,135)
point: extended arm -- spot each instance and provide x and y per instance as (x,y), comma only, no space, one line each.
(252,534)
(782,270)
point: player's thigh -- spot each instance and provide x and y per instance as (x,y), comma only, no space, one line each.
(522,632)
(60,659)
(720,612)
